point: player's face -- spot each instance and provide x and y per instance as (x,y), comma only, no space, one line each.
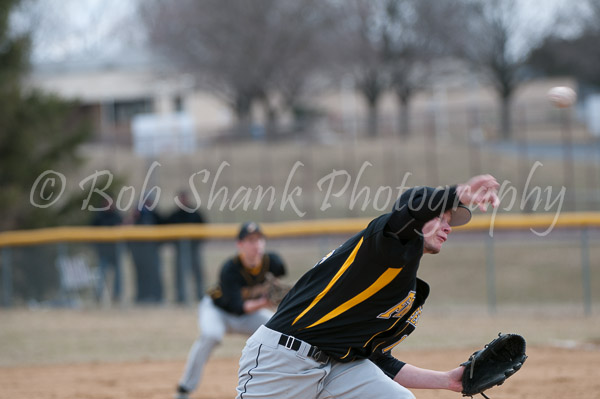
(252,249)
(435,233)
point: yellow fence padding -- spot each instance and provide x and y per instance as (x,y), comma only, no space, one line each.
(539,222)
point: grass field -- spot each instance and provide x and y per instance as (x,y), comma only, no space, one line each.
(55,336)
(140,352)
(66,336)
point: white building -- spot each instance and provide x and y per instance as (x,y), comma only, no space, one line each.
(114,91)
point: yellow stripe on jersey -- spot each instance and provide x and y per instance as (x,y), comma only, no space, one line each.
(389,348)
(347,353)
(381,282)
(337,276)
(387,329)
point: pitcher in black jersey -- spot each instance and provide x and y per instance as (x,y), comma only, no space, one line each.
(333,334)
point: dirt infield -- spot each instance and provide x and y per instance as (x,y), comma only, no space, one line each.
(140,353)
(550,373)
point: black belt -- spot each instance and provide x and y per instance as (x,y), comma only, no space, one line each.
(292,343)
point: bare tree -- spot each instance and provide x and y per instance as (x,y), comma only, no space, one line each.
(409,45)
(593,16)
(301,49)
(244,51)
(497,37)
(388,45)
(362,52)
(492,27)
(576,54)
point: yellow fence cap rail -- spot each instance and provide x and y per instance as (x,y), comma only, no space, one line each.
(277,230)
(521,221)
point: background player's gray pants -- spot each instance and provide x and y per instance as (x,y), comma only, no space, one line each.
(213,323)
(269,370)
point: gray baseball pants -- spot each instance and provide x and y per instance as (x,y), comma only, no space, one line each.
(270,370)
(214,323)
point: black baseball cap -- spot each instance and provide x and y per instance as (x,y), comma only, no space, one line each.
(460,215)
(248,228)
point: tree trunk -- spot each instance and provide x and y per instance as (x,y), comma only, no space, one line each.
(371,89)
(372,120)
(505,118)
(242,109)
(271,127)
(403,116)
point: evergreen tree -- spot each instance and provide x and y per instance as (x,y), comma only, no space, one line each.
(38,132)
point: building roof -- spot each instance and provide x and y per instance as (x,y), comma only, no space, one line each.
(135,74)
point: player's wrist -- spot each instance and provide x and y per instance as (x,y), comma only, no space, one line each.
(454,379)
(462,193)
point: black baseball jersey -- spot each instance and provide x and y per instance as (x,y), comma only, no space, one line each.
(238,283)
(364,298)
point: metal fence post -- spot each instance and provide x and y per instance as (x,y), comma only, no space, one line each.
(585,272)
(490,273)
(62,253)
(185,250)
(6,277)
(120,247)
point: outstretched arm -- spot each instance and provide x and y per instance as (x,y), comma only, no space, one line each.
(414,377)
(418,205)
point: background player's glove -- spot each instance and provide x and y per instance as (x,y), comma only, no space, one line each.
(277,289)
(493,364)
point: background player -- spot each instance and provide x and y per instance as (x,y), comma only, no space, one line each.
(238,304)
(333,334)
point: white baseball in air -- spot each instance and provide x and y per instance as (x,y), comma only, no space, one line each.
(562,96)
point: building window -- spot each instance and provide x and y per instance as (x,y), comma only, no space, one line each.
(125,110)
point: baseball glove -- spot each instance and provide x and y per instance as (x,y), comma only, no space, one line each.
(276,289)
(493,364)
